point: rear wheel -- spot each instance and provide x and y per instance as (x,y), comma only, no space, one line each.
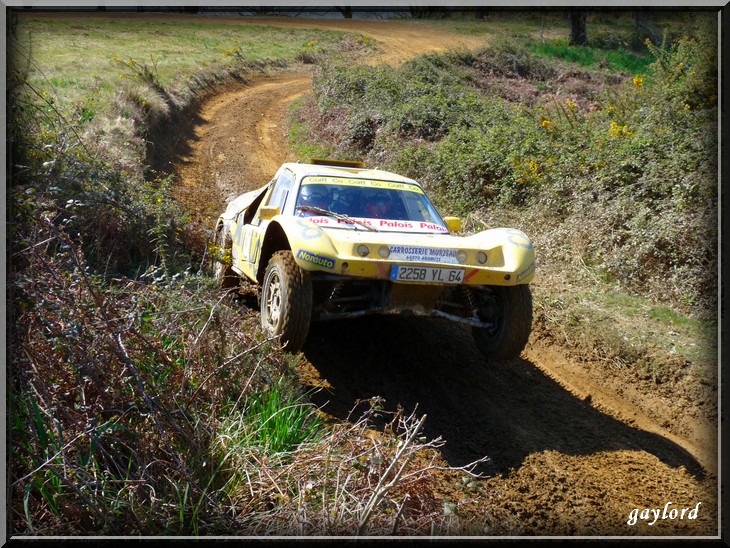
(286,301)
(222,271)
(509,310)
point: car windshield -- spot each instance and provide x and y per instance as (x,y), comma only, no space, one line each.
(383,205)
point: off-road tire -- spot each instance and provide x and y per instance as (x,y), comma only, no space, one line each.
(286,301)
(510,308)
(225,277)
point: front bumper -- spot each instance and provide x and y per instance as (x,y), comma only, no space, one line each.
(339,297)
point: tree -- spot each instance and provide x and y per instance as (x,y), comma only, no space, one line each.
(643,29)
(578,34)
(420,12)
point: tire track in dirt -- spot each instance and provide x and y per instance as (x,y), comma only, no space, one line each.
(238,142)
(702,443)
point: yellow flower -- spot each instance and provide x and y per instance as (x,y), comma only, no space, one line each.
(681,66)
(547,124)
(687,107)
(619,131)
(638,81)
(571,104)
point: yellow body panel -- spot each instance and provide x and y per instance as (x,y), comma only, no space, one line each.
(510,253)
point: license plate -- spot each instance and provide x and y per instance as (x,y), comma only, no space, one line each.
(427,274)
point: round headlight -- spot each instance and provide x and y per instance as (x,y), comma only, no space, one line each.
(384,251)
(481,257)
(461,256)
(363,250)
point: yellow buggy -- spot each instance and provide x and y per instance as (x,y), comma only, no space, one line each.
(330,240)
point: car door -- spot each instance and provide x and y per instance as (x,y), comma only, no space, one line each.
(255,230)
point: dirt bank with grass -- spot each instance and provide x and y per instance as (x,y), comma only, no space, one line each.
(573,449)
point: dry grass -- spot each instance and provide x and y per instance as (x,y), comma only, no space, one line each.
(137,396)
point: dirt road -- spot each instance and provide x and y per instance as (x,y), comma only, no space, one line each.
(573,451)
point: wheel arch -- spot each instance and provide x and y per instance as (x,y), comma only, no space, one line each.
(275,240)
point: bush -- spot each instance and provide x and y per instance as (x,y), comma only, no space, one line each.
(121,351)
(513,59)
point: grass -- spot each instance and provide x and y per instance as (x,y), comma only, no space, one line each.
(279,425)
(76,56)
(299,130)
(643,324)
(522,23)
(619,60)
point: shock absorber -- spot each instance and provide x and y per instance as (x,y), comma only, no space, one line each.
(334,294)
(470,300)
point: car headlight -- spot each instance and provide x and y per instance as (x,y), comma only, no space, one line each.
(461,256)
(384,251)
(481,257)
(363,250)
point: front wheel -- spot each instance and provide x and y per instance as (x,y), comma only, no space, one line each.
(286,301)
(509,310)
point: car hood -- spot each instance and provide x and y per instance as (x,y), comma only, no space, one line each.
(410,243)
(506,245)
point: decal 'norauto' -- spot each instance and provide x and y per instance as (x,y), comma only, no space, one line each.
(324,262)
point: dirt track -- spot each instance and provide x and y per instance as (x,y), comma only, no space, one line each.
(572,450)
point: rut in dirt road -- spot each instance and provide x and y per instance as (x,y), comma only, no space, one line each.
(506,411)
(233,142)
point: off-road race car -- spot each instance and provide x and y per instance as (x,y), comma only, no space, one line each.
(332,239)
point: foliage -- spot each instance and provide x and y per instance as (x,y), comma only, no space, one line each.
(123,384)
(357,477)
(120,347)
(587,56)
(632,168)
(513,59)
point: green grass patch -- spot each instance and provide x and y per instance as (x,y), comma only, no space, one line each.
(277,424)
(620,60)
(76,56)
(493,23)
(299,133)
